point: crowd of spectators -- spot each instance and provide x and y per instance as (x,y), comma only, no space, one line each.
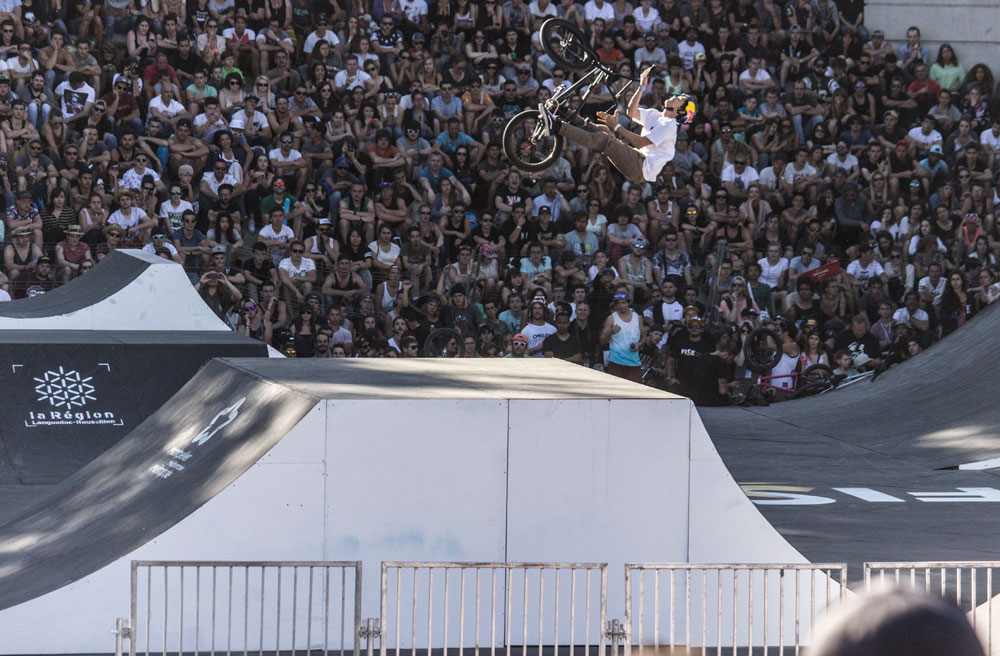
(330,174)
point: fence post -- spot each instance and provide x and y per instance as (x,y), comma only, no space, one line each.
(122,632)
(615,631)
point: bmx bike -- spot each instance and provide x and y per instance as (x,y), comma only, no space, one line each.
(525,142)
(761,353)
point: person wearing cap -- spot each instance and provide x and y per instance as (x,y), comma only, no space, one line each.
(37,279)
(71,253)
(691,368)
(519,347)
(933,170)
(623,331)
(459,314)
(251,122)
(322,33)
(23,215)
(537,328)
(651,54)
(636,269)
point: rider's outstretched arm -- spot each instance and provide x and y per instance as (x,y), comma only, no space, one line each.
(632,110)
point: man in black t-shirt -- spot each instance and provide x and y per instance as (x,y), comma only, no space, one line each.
(688,368)
(858,341)
(258,269)
(562,344)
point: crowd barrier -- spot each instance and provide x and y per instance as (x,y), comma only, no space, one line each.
(510,609)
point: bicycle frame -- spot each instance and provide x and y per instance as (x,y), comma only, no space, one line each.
(597,76)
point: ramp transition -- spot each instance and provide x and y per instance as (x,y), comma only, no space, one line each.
(868,472)
(71,395)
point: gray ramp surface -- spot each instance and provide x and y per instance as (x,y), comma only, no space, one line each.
(110,276)
(71,395)
(214,429)
(899,439)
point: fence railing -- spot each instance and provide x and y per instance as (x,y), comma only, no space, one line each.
(968,583)
(507,607)
(245,607)
(732,606)
(511,609)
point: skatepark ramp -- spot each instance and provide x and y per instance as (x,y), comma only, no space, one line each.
(127,290)
(902,468)
(376,460)
(69,396)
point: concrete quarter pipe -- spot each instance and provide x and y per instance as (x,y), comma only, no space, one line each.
(372,460)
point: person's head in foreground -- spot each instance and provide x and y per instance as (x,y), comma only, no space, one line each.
(896,623)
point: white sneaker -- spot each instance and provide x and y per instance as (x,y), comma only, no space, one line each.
(546,119)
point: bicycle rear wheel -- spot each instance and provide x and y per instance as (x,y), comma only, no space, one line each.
(444,343)
(564,43)
(762,350)
(525,147)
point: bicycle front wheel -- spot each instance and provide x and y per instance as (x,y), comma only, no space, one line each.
(565,44)
(524,145)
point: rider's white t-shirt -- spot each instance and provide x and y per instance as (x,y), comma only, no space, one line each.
(662,131)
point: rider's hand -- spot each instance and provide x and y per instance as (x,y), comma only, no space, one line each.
(610,120)
(644,76)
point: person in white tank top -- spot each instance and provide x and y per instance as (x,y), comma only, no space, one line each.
(624,330)
(787,332)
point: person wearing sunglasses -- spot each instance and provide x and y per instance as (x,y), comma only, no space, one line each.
(623,331)
(252,322)
(297,273)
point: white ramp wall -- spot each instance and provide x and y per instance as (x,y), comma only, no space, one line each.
(970,26)
(445,480)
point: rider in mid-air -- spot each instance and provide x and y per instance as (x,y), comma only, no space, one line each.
(638,156)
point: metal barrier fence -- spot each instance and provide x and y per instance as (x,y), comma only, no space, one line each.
(510,607)
(727,606)
(968,583)
(245,607)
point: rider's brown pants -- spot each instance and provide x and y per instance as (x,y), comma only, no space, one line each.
(626,159)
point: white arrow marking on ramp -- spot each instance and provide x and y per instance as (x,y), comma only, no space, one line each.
(868,494)
(967,494)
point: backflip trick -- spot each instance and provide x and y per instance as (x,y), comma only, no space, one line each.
(533,139)
(638,156)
